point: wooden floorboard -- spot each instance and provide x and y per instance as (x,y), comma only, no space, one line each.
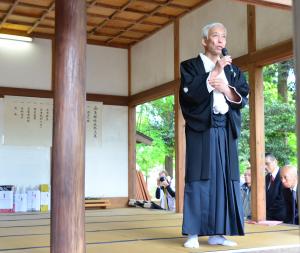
(135,230)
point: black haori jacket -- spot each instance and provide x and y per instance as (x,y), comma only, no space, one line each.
(197,108)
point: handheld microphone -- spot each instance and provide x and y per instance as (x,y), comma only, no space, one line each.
(224,53)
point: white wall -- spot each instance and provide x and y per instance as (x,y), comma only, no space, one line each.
(25,64)
(107,70)
(105,166)
(29,65)
(153,61)
(231,13)
(272,26)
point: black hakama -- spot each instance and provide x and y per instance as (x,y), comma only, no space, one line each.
(212,206)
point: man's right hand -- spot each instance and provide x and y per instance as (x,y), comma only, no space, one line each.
(221,63)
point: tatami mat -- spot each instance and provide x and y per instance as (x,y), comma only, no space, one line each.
(131,230)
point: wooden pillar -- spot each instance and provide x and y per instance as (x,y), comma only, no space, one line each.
(131,153)
(251,28)
(131,139)
(179,128)
(257,143)
(257,134)
(296,43)
(67,179)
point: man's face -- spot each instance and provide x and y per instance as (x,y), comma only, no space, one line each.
(288,178)
(270,165)
(247,176)
(216,40)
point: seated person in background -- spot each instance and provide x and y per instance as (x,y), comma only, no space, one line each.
(275,204)
(164,192)
(289,181)
(246,194)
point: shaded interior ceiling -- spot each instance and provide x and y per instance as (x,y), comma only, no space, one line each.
(116,23)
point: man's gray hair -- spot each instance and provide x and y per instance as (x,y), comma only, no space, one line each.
(206,29)
(291,168)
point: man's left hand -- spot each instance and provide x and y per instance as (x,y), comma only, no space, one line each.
(219,84)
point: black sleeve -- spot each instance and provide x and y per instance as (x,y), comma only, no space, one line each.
(193,87)
(157,193)
(170,191)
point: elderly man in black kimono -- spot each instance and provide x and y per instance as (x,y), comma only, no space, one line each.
(212,93)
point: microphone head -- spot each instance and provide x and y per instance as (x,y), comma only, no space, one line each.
(224,51)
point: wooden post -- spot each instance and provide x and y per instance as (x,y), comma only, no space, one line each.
(131,139)
(296,13)
(257,143)
(67,179)
(180,153)
(257,134)
(251,28)
(131,153)
(179,128)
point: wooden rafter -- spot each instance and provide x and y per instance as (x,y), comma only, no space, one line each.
(28,5)
(103,23)
(171,4)
(141,19)
(51,8)
(203,2)
(10,11)
(91,4)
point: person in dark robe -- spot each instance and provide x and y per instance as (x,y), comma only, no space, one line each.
(275,204)
(289,178)
(212,92)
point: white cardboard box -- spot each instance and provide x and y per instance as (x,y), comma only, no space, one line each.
(20,202)
(6,201)
(33,200)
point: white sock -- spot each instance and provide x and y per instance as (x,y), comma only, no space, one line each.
(192,242)
(221,240)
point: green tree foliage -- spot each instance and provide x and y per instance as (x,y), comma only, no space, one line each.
(280,138)
(156,120)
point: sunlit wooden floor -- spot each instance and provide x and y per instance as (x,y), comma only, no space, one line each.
(136,230)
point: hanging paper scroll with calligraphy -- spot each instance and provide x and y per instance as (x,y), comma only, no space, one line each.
(28,122)
(93,124)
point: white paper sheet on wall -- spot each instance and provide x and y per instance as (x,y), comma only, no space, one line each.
(28,122)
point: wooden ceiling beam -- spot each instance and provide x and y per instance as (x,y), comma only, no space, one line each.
(156,14)
(174,5)
(50,8)
(139,11)
(201,3)
(103,43)
(91,4)
(142,19)
(103,23)
(21,14)
(17,22)
(269,55)
(10,11)
(28,5)
(111,36)
(122,19)
(120,29)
